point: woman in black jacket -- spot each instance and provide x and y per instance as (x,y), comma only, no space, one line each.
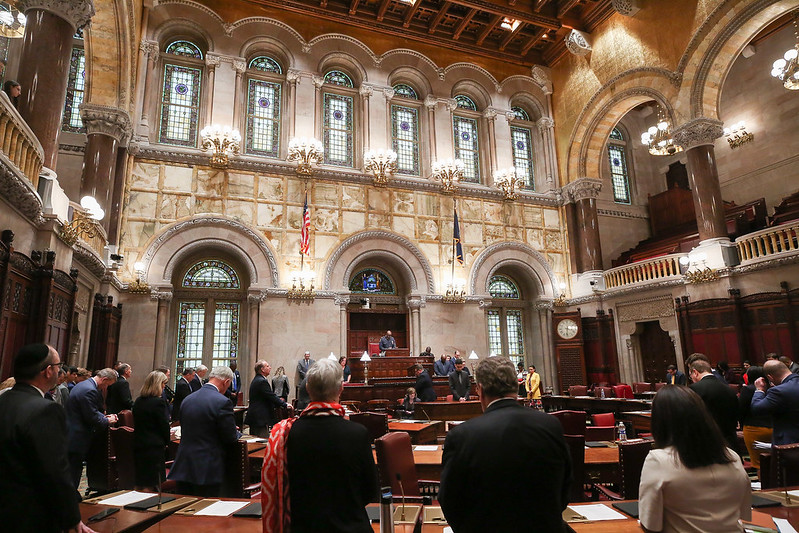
(754,427)
(151,433)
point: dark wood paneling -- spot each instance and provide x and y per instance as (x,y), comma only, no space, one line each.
(657,351)
(599,343)
(103,340)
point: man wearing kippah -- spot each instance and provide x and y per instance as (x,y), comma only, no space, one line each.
(36,491)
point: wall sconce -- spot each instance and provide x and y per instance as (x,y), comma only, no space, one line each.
(508,180)
(223,142)
(305,152)
(737,134)
(365,360)
(702,272)
(302,286)
(138,286)
(12,21)
(381,163)
(85,222)
(561,300)
(473,357)
(456,291)
(449,172)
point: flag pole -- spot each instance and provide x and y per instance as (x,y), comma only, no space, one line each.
(454,210)
(302,255)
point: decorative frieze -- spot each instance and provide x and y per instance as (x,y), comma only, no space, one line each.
(78,13)
(697,132)
(578,43)
(646,309)
(105,120)
(581,189)
(628,8)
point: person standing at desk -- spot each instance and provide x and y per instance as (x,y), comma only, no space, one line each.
(118,397)
(36,490)
(718,397)
(182,390)
(424,385)
(387,342)
(532,385)
(487,485)
(199,378)
(459,383)
(780,401)
(444,366)
(674,376)
(152,432)
(263,401)
(303,365)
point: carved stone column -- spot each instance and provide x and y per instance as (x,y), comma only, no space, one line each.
(293,79)
(546,127)
(430,104)
(240,66)
(254,301)
(164,299)
(149,50)
(342,301)
(44,63)
(318,83)
(115,216)
(549,372)
(585,228)
(366,92)
(106,129)
(414,304)
(211,61)
(490,116)
(697,137)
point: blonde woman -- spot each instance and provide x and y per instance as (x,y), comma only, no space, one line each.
(280,383)
(152,432)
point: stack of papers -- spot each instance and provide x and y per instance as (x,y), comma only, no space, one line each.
(597,512)
(425,448)
(127,498)
(221,509)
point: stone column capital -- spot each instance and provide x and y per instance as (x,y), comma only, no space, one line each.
(581,189)
(578,43)
(239,65)
(106,120)
(212,60)
(490,113)
(150,49)
(541,75)
(342,300)
(545,124)
(430,102)
(161,295)
(451,104)
(78,13)
(366,90)
(318,81)
(628,8)
(388,93)
(416,303)
(698,132)
(293,76)
(544,305)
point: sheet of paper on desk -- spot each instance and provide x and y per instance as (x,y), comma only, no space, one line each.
(127,498)
(760,445)
(783,525)
(221,509)
(424,448)
(794,493)
(447,530)
(597,512)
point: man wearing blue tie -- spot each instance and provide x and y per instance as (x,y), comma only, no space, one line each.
(235,386)
(303,365)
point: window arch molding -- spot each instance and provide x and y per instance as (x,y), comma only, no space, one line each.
(262,109)
(270,47)
(345,63)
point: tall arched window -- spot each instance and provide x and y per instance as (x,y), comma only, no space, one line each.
(180,94)
(338,120)
(522,146)
(466,136)
(619,171)
(209,315)
(405,129)
(505,319)
(264,101)
(76,86)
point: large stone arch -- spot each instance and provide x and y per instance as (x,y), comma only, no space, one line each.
(607,107)
(717,44)
(111,49)
(522,258)
(401,253)
(167,249)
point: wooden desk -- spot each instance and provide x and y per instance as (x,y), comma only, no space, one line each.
(450,410)
(392,388)
(602,465)
(641,421)
(182,523)
(594,405)
(421,433)
(126,521)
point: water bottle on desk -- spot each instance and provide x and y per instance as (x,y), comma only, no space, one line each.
(622,432)
(602,393)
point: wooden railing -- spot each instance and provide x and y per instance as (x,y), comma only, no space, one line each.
(768,242)
(657,269)
(18,142)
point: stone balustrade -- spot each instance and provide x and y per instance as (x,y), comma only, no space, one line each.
(18,142)
(656,269)
(768,242)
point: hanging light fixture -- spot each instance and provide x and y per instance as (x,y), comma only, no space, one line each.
(449,172)
(508,180)
(222,142)
(658,138)
(12,21)
(381,163)
(786,69)
(306,152)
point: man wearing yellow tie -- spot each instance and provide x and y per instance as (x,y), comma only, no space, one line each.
(674,376)
(532,384)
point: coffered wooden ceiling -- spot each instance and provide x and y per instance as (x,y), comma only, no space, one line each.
(525,32)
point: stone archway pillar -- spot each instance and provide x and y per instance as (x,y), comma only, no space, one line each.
(581,213)
(164,298)
(342,301)
(549,367)
(415,303)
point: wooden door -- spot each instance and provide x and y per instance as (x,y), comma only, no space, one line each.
(657,351)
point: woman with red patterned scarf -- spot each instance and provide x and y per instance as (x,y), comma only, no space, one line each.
(319,472)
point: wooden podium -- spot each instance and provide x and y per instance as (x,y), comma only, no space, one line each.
(398,352)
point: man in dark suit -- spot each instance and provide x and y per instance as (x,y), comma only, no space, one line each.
(331,470)
(85,416)
(720,400)
(424,385)
(444,366)
(182,390)
(459,382)
(118,397)
(168,395)
(527,484)
(36,490)
(199,378)
(303,365)
(235,387)
(674,376)
(780,401)
(263,401)
(207,430)
(387,342)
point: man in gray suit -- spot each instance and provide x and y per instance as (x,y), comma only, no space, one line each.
(459,382)
(303,365)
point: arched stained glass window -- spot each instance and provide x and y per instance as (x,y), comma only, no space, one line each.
(338,129)
(523,154)
(405,138)
(617,134)
(265,64)
(464,102)
(336,77)
(619,171)
(405,91)
(76,87)
(520,113)
(263,118)
(467,147)
(185,49)
(211,274)
(372,281)
(503,287)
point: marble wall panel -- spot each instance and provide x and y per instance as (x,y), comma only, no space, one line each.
(271,188)
(427,204)
(211,182)
(325,220)
(431,252)
(295,191)
(493,233)
(470,210)
(557,263)
(427,229)
(294,214)
(353,197)
(535,238)
(379,200)
(325,195)
(533,217)
(241,185)
(471,233)
(494,213)
(175,206)
(447,204)
(135,234)
(553,240)
(241,211)
(271,215)
(352,222)
(324,244)
(514,233)
(275,238)
(551,219)
(404,226)
(145,175)
(178,178)
(142,204)
(404,202)
(379,220)
(208,205)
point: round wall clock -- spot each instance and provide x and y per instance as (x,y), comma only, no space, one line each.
(567,328)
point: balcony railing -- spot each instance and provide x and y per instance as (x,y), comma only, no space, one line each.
(657,269)
(18,142)
(777,240)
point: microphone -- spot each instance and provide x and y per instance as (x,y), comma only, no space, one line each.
(402,491)
(159,490)
(425,413)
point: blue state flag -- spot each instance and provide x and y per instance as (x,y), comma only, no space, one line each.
(456,237)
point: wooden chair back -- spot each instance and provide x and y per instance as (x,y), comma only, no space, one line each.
(125,458)
(787,464)
(576,444)
(641,386)
(578,390)
(573,422)
(395,456)
(631,462)
(126,418)
(608,392)
(376,423)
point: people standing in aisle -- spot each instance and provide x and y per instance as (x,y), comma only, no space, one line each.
(182,390)
(303,365)
(151,436)
(443,366)
(263,401)
(199,378)
(721,402)
(424,385)
(118,396)
(460,383)
(280,383)
(781,401)
(532,386)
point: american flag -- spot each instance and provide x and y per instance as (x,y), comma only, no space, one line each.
(305,238)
